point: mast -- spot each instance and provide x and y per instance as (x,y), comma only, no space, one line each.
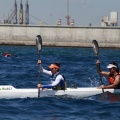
(15,13)
(21,14)
(27,13)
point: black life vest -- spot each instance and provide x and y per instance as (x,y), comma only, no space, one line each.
(62,85)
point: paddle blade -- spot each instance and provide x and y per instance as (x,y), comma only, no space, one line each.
(95,47)
(38,43)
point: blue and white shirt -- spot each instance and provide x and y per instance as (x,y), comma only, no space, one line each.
(55,79)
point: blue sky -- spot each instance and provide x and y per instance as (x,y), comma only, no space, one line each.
(82,11)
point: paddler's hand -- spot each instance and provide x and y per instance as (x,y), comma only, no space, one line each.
(39,86)
(97,62)
(102,87)
(39,62)
(98,66)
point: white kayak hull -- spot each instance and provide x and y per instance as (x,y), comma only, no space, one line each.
(9,92)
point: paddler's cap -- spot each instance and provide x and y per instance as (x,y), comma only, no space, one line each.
(111,66)
(54,66)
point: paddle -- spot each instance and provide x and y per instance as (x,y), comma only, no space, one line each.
(39,47)
(96,51)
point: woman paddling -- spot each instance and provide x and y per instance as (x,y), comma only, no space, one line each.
(113,75)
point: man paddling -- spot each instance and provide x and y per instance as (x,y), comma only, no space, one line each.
(113,75)
(57,79)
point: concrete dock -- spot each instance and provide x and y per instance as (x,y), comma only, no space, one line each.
(60,35)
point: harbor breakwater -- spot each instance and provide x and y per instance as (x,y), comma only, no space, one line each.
(60,35)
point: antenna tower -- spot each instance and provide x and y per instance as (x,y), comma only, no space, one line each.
(68,17)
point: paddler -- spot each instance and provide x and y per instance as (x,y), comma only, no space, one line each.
(57,79)
(113,75)
(6,54)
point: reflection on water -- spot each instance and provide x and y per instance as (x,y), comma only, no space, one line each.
(108,96)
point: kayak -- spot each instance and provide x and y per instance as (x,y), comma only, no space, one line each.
(10,92)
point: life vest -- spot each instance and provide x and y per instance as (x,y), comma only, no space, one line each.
(62,85)
(112,79)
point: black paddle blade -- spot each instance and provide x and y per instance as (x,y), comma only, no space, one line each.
(95,47)
(39,43)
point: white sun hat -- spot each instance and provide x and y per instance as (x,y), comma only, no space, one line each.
(111,66)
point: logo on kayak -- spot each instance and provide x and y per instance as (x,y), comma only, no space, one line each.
(6,88)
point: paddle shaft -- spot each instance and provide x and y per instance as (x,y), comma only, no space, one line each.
(38,74)
(98,67)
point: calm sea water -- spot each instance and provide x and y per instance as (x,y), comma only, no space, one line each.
(78,66)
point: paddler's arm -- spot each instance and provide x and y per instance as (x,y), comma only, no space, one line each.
(56,82)
(112,86)
(103,73)
(45,86)
(43,70)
